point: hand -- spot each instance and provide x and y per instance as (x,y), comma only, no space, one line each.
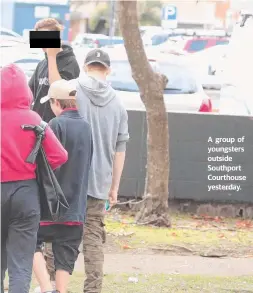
(113,197)
(52,52)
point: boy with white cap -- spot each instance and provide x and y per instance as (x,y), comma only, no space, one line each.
(66,235)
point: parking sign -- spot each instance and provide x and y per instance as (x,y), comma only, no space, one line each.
(169,17)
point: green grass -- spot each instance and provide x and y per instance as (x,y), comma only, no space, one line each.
(161,283)
(206,236)
(167,284)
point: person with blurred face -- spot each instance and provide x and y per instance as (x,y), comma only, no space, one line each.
(65,235)
(99,104)
(20,203)
(59,63)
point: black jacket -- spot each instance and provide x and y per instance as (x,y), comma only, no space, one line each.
(39,83)
(74,133)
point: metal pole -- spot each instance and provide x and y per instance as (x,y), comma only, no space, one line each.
(112,20)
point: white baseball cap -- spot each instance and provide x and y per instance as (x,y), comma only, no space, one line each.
(60,90)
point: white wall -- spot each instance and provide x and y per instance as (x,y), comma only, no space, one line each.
(7,6)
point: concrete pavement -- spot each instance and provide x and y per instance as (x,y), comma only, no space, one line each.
(185,265)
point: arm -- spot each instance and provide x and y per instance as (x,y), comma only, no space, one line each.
(70,71)
(118,165)
(53,73)
(55,152)
(119,157)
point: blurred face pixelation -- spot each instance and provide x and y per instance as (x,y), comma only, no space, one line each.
(48,25)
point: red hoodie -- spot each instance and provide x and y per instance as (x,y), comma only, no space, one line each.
(16,144)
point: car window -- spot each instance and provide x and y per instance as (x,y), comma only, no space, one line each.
(224,42)
(180,80)
(87,41)
(4,33)
(197,45)
(28,61)
(159,39)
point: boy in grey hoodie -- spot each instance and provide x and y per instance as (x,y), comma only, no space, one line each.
(99,105)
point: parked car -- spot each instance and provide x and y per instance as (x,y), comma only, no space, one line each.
(29,63)
(95,41)
(8,41)
(237,91)
(9,33)
(155,38)
(144,29)
(171,46)
(197,44)
(183,92)
(205,64)
(11,50)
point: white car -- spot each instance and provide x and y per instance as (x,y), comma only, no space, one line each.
(8,33)
(182,94)
(154,38)
(172,46)
(87,40)
(207,65)
(237,91)
(29,63)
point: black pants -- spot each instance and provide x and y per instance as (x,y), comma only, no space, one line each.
(20,216)
(65,244)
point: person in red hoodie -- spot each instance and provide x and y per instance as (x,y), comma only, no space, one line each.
(20,208)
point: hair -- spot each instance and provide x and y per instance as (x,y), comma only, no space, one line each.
(96,66)
(69,103)
(48,23)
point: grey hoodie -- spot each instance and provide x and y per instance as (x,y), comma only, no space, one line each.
(98,103)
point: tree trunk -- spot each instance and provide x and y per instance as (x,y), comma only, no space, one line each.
(154,209)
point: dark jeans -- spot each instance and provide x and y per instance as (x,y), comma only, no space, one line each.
(20,216)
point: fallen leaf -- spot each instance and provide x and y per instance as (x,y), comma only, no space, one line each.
(244,224)
(125,246)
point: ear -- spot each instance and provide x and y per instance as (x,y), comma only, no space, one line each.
(108,71)
(57,103)
(85,68)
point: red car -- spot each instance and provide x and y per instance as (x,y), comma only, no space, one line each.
(206,106)
(198,44)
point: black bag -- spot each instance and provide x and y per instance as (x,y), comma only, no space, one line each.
(52,200)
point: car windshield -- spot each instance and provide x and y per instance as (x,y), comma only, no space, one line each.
(198,45)
(180,79)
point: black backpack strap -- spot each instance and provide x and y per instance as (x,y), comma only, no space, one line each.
(40,131)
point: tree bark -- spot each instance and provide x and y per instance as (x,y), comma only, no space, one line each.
(154,209)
